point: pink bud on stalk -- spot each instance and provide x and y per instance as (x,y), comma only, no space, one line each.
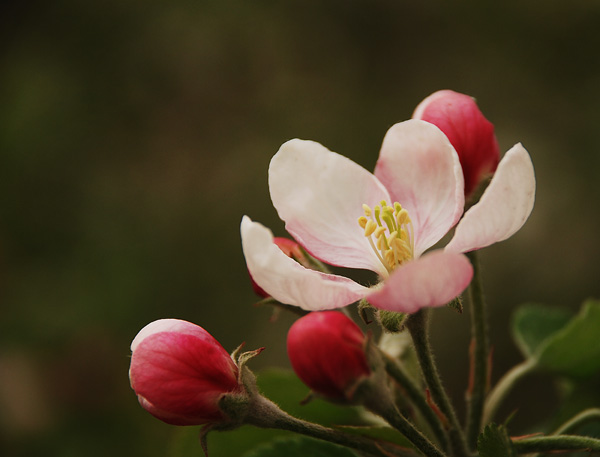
(289,248)
(327,352)
(471,134)
(180,372)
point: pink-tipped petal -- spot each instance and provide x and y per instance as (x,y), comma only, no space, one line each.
(319,194)
(429,281)
(503,208)
(286,280)
(421,170)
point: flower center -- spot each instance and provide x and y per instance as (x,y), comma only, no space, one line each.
(390,233)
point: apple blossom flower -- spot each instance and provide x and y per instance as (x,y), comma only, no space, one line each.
(180,372)
(471,134)
(384,222)
(327,352)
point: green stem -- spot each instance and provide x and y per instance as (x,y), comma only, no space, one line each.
(479,358)
(383,405)
(504,386)
(413,391)
(417,325)
(588,415)
(556,443)
(266,414)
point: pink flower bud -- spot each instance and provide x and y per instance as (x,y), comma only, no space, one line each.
(180,372)
(471,134)
(327,352)
(289,248)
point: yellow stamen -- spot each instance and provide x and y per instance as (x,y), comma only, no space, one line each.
(402,217)
(370,228)
(379,231)
(389,231)
(377,212)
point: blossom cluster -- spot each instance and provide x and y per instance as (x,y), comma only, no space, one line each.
(437,173)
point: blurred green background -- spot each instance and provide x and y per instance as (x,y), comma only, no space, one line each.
(134,135)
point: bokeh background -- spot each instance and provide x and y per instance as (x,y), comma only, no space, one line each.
(134,135)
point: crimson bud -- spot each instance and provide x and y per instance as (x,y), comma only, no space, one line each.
(180,372)
(471,134)
(327,352)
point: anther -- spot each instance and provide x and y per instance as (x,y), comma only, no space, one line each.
(378,231)
(402,217)
(370,227)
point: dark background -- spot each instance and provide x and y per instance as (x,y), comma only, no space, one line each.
(135,134)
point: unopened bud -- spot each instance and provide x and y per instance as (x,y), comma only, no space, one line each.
(471,134)
(180,372)
(327,352)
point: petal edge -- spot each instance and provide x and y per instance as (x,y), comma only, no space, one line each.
(504,206)
(430,281)
(319,195)
(289,282)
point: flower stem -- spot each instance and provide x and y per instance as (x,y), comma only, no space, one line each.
(504,386)
(266,414)
(395,370)
(588,415)
(417,325)
(385,407)
(556,443)
(479,359)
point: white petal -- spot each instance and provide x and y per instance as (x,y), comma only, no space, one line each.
(289,282)
(421,170)
(319,194)
(504,206)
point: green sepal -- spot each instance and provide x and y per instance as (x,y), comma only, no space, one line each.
(391,321)
(277,305)
(363,307)
(309,261)
(495,442)
(456,305)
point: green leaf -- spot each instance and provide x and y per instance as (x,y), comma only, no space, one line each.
(556,343)
(574,350)
(495,442)
(299,447)
(533,324)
